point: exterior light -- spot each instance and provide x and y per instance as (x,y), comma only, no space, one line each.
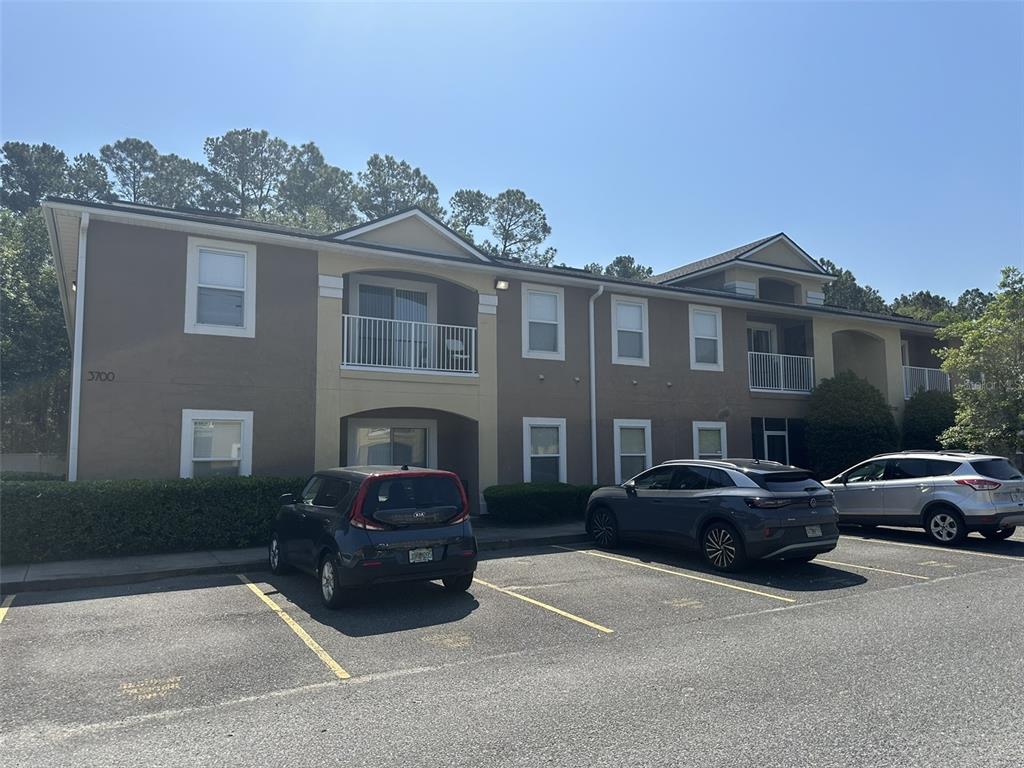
(501,285)
(74,286)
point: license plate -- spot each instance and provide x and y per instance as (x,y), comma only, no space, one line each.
(421,555)
(813,530)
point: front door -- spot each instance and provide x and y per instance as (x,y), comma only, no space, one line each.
(861,497)
(651,491)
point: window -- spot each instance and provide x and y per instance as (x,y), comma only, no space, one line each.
(780,440)
(632,447)
(543,450)
(999,469)
(629,331)
(761,337)
(411,442)
(709,440)
(390,299)
(690,479)
(216,443)
(867,473)
(220,288)
(718,478)
(658,479)
(705,338)
(543,322)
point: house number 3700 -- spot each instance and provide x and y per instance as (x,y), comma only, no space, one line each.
(101,375)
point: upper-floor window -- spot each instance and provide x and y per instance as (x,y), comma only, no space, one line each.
(216,443)
(629,331)
(543,322)
(705,338)
(220,288)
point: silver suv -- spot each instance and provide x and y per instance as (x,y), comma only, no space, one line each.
(947,493)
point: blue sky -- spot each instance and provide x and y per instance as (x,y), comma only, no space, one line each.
(886,137)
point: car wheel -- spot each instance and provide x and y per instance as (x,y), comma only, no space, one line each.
(945,526)
(722,547)
(331,593)
(1000,535)
(604,528)
(459,583)
(275,558)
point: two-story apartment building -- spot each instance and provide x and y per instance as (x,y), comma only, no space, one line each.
(207,344)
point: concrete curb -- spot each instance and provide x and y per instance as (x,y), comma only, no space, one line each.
(137,577)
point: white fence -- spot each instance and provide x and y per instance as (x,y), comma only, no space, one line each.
(771,372)
(373,342)
(928,379)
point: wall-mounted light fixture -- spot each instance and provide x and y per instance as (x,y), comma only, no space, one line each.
(500,285)
(74,286)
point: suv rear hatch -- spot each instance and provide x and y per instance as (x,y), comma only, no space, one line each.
(798,497)
(1010,490)
(414,500)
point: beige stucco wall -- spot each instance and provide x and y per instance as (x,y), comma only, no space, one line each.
(340,393)
(413,234)
(824,327)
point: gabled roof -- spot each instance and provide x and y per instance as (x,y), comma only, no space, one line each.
(414,212)
(735,254)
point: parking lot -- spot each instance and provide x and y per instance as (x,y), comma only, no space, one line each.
(887,651)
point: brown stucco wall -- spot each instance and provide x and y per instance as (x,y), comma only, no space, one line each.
(134,327)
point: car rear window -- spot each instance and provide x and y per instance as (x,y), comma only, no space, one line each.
(786,482)
(416,493)
(997,469)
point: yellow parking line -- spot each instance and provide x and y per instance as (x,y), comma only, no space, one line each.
(870,568)
(545,606)
(677,573)
(936,549)
(325,657)
(5,605)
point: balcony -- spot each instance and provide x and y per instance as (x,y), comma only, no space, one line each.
(928,379)
(787,374)
(373,343)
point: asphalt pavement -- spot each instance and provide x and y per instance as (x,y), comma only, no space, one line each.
(892,652)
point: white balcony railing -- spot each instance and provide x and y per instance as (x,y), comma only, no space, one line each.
(770,372)
(373,342)
(928,379)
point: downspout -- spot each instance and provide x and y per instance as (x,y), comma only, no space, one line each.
(593,392)
(76,368)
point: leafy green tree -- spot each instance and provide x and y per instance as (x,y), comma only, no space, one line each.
(469,208)
(985,356)
(847,420)
(846,292)
(627,268)
(131,162)
(246,168)
(927,415)
(314,190)
(176,182)
(519,226)
(29,173)
(88,180)
(972,303)
(923,305)
(388,185)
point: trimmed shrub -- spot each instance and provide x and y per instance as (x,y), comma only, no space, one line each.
(533,502)
(927,415)
(848,420)
(26,477)
(582,497)
(60,521)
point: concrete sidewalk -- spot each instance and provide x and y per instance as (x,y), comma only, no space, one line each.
(68,574)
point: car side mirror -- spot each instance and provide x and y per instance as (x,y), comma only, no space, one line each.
(630,487)
(286,499)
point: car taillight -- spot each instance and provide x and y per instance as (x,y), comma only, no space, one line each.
(356,518)
(978,484)
(767,503)
(461,516)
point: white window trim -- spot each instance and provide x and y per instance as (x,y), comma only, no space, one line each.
(392,282)
(719,425)
(536,421)
(773,343)
(694,365)
(188,416)
(429,424)
(560,292)
(644,327)
(248,328)
(617,425)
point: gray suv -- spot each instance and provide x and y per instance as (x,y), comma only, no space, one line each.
(947,493)
(731,511)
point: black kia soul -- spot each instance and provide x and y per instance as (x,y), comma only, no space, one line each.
(356,526)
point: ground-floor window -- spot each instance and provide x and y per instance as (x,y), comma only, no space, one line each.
(543,450)
(411,442)
(777,439)
(632,447)
(709,441)
(216,443)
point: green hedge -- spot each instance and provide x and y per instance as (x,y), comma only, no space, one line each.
(64,521)
(537,502)
(926,416)
(25,477)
